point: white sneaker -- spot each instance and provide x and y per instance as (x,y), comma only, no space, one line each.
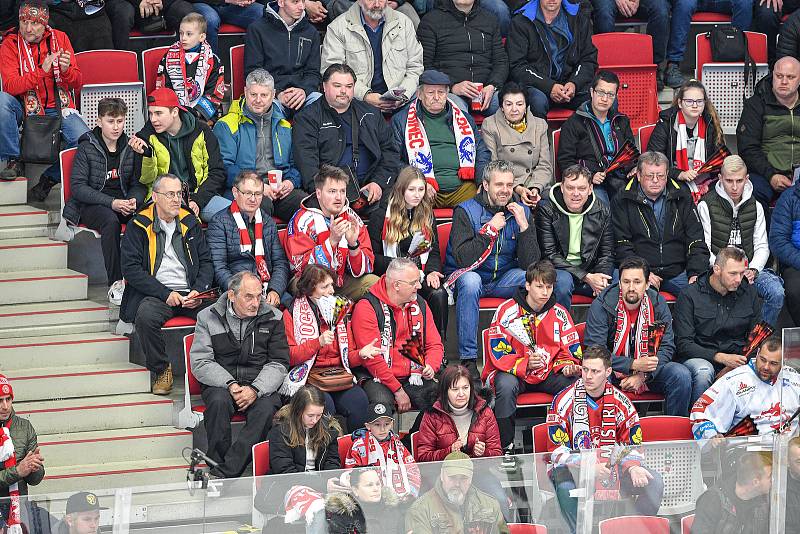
(115,292)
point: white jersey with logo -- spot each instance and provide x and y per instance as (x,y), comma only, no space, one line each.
(740,394)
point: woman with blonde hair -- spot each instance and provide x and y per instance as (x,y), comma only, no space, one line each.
(688,133)
(404,226)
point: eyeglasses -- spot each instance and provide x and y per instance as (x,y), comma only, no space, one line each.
(250,194)
(412,283)
(170,195)
(656,177)
(692,103)
(605,94)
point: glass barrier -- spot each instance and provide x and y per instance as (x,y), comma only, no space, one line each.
(651,487)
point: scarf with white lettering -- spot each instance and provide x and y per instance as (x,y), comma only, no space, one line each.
(306,328)
(189,90)
(419,149)
(640,331)
(31,103)
(388,463)
(246,245)
(413,313)
(9,460)
(607,489)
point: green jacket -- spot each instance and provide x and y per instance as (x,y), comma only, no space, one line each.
(433,514)
(23,436)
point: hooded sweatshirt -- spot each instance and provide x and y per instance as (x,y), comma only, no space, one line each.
(743,225)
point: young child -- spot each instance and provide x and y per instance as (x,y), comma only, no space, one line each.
(377,445)
(193,71)
(105,190)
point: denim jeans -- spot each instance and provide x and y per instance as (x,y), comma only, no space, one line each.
(656,12)
(675,285)
(500,10)
(703,373)
(229,14)
(461,102)
(674,381)
(770,288)
(507,388)
(469,289)
(215,205)
(289,112)
(351,404)
(682,11)
(72,127)
(762,190)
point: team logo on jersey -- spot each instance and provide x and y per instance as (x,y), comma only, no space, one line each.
(558,436)
(744,389)
(583,439)
(499,345)
(636,435)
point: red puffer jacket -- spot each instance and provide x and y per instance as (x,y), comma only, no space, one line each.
(438,432)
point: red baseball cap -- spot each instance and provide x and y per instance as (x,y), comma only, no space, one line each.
(164,98)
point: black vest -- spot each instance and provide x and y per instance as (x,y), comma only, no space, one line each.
(721,213)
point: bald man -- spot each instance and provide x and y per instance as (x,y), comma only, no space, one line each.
(762,135)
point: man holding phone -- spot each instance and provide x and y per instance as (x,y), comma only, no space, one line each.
(350,134)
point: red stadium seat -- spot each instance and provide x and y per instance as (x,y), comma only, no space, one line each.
(282,233)
(150,60)
(444,236)
(526,528)
(556,169)
(581,300)
(756,45)
(644,136)
(630,56)
(261,459)
(669,297)
(634,523)
(237,71)
(686,524)
(136,34)
(666,428)
(94,65)
(443,214)
(179,322)
(533,398)
(231,29)
(414,437)
(556,117)
(707,17)
(539,433)
(344,444)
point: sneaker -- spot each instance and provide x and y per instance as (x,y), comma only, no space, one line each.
(12,171)
(673,76)
(40,191)
(163,383)
(472,366)
(115,292)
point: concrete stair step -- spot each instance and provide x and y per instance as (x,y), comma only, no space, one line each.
(63,350)
(105,446)
(80,381)
(57,329)
(17,221)
(13,191)
(49,285)
(97,413)
(32,253)
(97,476)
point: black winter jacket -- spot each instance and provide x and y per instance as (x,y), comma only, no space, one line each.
(284,459)
(665,137)
(530,58)
(139,269)
(290,53)
(582,141)
(682,246)
(789,39)
(720,511)
(89,176)
(597,235)
(706,322)
(318,137)
(465,46)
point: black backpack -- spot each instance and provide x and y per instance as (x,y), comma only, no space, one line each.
(728,45)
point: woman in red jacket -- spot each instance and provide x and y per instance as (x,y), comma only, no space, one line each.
(314,344)
(461,420)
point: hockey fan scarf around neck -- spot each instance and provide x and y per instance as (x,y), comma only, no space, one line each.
(699,156)
(31,103)
(9,460)
(640,330)
(487,230)
(245,243)
(416,325)
(189,90)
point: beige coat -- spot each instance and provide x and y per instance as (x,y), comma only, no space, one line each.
(346,41)
(528,151)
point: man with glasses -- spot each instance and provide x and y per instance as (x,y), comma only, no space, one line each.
(393,313)
(166,264)
(255,135)
(767,135)
(243,237)
(492,243)
(593,135)
(655,218)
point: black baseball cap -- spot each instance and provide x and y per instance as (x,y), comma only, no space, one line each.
(83,502)
(379,409)
(434,77)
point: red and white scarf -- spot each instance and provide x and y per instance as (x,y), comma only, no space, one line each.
(390,249)
(582,436)
(641,332)
(306,328)
(31,103)
(189,90)
(389,463)
(698,157)
(419,149)
(246,244)
(416,325)
(9,460)
(302,502)
(487,230)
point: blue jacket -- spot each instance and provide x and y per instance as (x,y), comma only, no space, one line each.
(513,249)
(784,230)
(238,138)
(222,237)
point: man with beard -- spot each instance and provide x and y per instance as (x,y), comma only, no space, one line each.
(454,505)
(620,318)
(755,398)
(531,345)
(492,243)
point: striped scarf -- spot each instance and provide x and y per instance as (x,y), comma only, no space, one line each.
(9,460)
(698,157)
(246,244)
(189,90)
